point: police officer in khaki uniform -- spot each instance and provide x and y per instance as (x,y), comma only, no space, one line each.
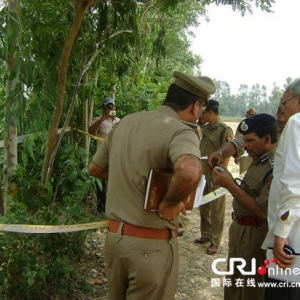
(235,147)
(141,248)
(250,205)
(214,134)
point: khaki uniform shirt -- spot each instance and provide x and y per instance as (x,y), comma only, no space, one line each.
(257,182)
(138,143)
(212,140)
(238,144)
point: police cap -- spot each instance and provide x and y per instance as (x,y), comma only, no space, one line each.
(211,103)
(256,123)
(200,86)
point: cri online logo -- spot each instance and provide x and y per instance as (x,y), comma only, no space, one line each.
(261,270)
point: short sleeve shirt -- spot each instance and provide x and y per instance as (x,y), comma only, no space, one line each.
(238,144)
(213,137)
(105,127)
(257,182)
(138,143)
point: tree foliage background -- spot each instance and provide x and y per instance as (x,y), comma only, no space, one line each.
(71,54)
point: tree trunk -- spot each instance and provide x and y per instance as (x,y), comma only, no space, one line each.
(85,118)
(10,130)
(80,8)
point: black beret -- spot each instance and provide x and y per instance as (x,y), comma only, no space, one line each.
(259,122)
(211,103)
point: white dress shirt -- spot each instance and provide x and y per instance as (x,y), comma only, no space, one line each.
(284,194)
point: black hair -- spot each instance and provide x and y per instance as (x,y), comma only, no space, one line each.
(178,98)
(272,131)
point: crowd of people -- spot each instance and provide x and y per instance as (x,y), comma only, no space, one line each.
(186,135)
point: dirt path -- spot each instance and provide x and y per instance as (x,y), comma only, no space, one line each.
(195,271)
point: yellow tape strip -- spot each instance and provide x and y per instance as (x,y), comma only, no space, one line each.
(90,135)
(23,228)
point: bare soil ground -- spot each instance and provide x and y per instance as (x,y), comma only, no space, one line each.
(195,272)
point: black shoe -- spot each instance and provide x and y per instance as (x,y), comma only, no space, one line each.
(201,240)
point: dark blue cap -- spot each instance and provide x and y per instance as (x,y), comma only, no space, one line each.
(259,122)
(211,103)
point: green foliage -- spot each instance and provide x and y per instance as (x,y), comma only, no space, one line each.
(257,97)
(70,181)
(243,6)
(35,265)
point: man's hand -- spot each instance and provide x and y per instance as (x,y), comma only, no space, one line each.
(214,159)
(105,115)
(96,171)
(283,260)
(170,211)
(223,179)
(237,160)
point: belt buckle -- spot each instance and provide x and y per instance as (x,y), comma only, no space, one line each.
(233,216)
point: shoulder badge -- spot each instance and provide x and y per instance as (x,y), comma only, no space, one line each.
(265,158)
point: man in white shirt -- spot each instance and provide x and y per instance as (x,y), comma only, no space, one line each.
(284,196)
(100,127)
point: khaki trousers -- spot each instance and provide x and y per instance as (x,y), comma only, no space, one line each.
(245,242)
(139,268)
(212,219)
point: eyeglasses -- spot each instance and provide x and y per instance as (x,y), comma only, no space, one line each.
(203,101)
(282,102)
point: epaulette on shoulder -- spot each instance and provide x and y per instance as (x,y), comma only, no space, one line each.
(268,158)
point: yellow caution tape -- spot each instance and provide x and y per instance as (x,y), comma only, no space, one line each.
(90,135)
(23,228)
